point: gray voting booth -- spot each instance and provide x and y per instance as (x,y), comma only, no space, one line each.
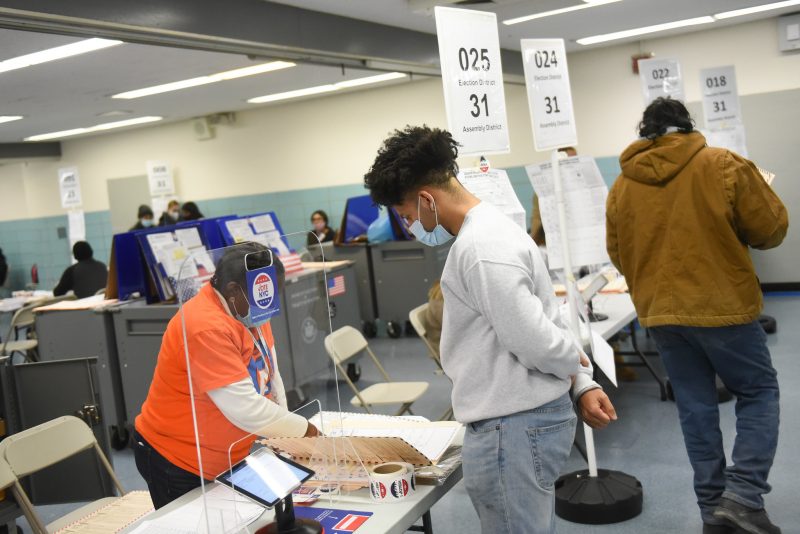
(403,273)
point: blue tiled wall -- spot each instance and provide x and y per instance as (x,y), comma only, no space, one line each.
(29,241)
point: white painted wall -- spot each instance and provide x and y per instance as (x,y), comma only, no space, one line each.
(332,140)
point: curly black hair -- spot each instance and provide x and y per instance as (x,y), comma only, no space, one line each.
(411,158)
(663,113)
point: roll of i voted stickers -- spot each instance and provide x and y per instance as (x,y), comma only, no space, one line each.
(392,482)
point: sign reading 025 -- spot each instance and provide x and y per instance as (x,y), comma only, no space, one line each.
(549,93)
(472,75)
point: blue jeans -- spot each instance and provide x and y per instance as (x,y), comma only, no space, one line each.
(511,464)
(739,355)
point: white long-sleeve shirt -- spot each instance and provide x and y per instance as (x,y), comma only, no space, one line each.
(503,344)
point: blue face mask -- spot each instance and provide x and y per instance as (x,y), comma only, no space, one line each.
(434,238)
(147,223)
(247,320)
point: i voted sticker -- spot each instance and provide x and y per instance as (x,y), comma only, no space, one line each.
(263,295)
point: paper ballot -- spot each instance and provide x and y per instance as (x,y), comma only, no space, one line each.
(494,187)
(585,195)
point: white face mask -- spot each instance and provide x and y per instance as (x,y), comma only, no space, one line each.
(434,238)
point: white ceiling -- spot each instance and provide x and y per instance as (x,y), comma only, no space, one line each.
(74,92)
(597,20)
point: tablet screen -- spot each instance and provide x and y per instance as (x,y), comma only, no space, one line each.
(265,477)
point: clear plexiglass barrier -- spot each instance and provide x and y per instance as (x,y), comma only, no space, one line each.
(242,310)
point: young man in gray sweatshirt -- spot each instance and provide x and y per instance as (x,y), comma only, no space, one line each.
(504,346)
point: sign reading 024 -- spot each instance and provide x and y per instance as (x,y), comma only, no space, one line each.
(472,76)
(549,93)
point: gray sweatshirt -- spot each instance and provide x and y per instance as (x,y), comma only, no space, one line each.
(503,344)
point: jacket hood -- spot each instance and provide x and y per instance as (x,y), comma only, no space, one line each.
(659,160)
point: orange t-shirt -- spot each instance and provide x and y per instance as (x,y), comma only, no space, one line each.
(221,352)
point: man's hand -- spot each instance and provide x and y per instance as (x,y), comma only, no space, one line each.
(596,408)
(311,431)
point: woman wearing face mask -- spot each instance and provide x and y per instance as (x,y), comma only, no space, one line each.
(319,221)
(145,216)
(237,388)
(172,215)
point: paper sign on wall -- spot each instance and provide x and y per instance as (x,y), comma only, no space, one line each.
(549,93)
(159,175)
(585,195)
(661,77)
(720,97)
(69,186)
(731,137)
(472,76)
(494,187)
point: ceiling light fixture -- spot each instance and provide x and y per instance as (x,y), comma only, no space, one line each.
(644,30)
(203,80)
(9,118)
(92,129)
(59,52)
(586,5)
(755,9)
(328,88)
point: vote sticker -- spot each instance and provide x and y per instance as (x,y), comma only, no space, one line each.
(378,490)
(399,488)
(262,293)
(263,290)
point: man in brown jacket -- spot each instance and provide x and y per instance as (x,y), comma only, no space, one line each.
(680,220)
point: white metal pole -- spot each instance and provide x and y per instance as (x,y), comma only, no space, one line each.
(572,297)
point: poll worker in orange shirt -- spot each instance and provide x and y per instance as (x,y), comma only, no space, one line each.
(238,392)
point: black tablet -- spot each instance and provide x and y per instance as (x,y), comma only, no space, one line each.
(265,477)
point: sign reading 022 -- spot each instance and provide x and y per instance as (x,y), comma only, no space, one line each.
(549,93)
(469,52)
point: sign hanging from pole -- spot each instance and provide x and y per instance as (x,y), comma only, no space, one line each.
(720,97)
(661,77)
(472,76)
(69,186)
(549,93)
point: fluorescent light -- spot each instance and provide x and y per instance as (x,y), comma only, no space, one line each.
(9,118)
(756,9)
(91,129)
(328,88)
(588,4)
(293,94)
(203,80)
(641,31)
(59,52)
(370,79)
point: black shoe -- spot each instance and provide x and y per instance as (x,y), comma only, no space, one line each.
(747,519)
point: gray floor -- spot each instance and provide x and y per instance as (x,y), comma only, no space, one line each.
(646,441)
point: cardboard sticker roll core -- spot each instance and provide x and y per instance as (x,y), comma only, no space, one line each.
(391,482)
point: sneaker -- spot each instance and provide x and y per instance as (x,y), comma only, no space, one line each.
(750,520)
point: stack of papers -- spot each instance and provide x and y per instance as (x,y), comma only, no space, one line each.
(88,303)
(222,511)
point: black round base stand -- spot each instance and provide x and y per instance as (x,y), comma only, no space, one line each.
(610,497)
(286,523)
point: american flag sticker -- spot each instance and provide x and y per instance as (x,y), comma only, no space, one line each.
(350,523)
(336,286)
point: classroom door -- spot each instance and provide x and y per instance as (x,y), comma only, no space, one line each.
(125,195)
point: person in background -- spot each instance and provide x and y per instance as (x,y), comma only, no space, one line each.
(319,222)
(511,359)
(190,212)
(84,278)
(537,228)
(3,269)
(433,316)
(237,385)
(680,220)
(145,216)
(172,215)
